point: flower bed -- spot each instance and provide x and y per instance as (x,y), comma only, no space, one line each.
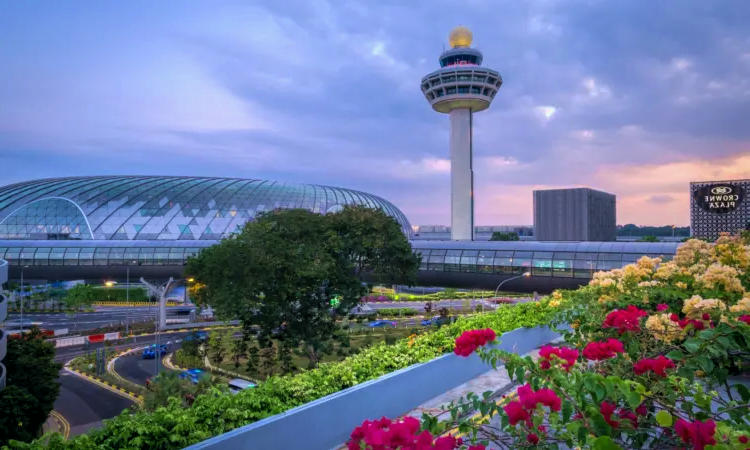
(651,349)
(175,427)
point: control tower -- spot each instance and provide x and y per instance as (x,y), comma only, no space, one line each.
(460,88)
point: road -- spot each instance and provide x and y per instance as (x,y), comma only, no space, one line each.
(85,405)
(103,316)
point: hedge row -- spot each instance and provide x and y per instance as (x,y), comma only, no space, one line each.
(175,427)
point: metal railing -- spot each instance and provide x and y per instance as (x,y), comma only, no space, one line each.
(3,316)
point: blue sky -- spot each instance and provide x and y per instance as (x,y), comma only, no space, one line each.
(633,97)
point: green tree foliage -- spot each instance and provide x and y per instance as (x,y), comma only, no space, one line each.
(634,230)
(500,236)
(217,346)
(239,352)
(168,384)
(81,296)
(32,375)
(281,271)
(649,239)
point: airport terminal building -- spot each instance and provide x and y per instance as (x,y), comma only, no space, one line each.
(96,228)
(718,207)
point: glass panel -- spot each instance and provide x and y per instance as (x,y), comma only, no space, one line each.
(542,267)
(41,257)
(565,255)
(608,265)
(13,256)
(131,256)
(56,257)
(86,257)
(504,254)
(610,256)
(504,265)
(71,256)
(469,261)
(523,255)
(101,256)
(542,255)
(27,256)
(2,252)
(484,261)
(437,257)
(146,257)
(176,256)
(161,257)
(562,268)
(586,256)
(116,255)
(631,257)
(452,260)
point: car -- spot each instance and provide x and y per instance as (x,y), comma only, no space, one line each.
(434,321)
(200,336)
(381,323)
(238,384)
(194,375)
(153,350)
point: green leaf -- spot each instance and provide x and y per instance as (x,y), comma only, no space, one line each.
(706,334)
(692,345)
(634,399)
(743,391)
(706,364)
(601,427)
(520,372)
(605,443)
(664,419)
(567,410)
(676,355)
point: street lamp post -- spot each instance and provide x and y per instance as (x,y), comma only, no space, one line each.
(526,274)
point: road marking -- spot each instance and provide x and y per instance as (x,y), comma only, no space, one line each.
(62,423)
(102,384)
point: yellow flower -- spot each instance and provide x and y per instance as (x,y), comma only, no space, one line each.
(695,306)
(700,373)
(681,285)
(557,295)
(554,303)
(645,299)
(663,329)
(741,306)
(605,299)
(575,325)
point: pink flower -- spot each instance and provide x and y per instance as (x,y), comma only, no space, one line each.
(568,356)
(532,438)
(472,340)
(706,316)
(745,318)
(658,366)
(623,320)
(642,410)
(598,351)
(662,307)
(515,412)
(699,434)
(607,409)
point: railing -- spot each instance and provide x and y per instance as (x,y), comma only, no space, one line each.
(3,316)
(326,423)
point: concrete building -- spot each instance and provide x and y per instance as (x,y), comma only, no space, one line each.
(578,214)
(718,206)
(460,88)
(481,233)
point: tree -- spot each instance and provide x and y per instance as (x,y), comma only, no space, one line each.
(500,236)
(239,352)
(281,271)
(32,373)
(80,296)
(168,385)
(253,360)
(217,347)
(649,239)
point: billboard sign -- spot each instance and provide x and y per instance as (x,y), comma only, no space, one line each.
(719,198)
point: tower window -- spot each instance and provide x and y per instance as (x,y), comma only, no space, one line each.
(439,93)
(450,79)
(463,89)
(475,90)
(435,82)
(450,91)
(464,78)
(491,80)
(479,78)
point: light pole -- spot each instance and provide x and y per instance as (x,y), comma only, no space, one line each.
(526,274)
(22,267)
(127,296)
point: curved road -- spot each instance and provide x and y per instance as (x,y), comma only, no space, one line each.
(85,405)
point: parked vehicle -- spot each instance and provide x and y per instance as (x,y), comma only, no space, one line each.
(200,336)
(381,323)
(238,384)
(154,351)
(194,375)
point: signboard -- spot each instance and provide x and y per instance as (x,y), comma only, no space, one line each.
(719,198)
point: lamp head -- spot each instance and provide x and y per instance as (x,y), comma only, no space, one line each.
(527,274)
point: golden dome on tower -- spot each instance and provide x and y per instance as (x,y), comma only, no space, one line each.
(460,37)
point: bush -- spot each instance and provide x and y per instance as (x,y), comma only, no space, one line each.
(217,413)
(121,295)
(393,312)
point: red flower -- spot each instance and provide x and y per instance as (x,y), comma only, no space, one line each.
(385,434)
(745,318)
(699,434)
(598,351)
(706,316)
(567,355)
(658,366)
(628,415)
(516,412)
(743,439)
(476,447)
(533,438)
(625,319)
(448,443)
(472,340)
(642,410)
(697,324)
(674,317)
(607,409)
(662,307)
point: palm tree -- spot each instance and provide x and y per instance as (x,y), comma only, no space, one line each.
(164,386)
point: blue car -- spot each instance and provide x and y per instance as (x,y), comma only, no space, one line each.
(434,321)
(154,350)
(381,323)
(194,375)
(200,336)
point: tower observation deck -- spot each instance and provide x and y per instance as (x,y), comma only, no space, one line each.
(460,88)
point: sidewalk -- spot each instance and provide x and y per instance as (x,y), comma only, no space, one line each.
(56,423)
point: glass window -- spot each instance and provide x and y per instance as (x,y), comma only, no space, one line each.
(41,257)
(27,256)
(56,256)
(484,261)
(562,268)
(584,269)
(101,256)
(503,265)
(542,255)
(631,257)
(86,257)
(425,258)
(452,260)
(542,267)
(176,256)
(608,265)
(610,256)
(194,251)
(161,257)
(437,258)
(13,255)
(71,256)
(131,256)
(523,255)
(586,256)
(565,255)
(116,256)
(469,261)
(2,252)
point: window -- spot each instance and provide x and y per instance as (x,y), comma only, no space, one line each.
(542,255)
(56,257)
(437,258)
(484,261)
(564,255)
(476,90)
(503,264)
(41,258)
(131,256)
(71,256)
(176,256)
(451,79)
(479,77)
(146,257)
(161,257)
(584,269)
(469,261)
(562,268)
(541,267)
(27,256)
(610,256)
(86,257)
(425,259)
(608,265)
(586,256)
(192,252)
(450,91)
(464,78)
(116,256)
(452,260)
(101,257)
(463,89)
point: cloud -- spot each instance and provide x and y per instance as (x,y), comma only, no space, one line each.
(634,97)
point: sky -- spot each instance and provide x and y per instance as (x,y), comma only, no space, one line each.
(633,97)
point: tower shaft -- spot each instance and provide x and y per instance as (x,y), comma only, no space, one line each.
(462,175)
